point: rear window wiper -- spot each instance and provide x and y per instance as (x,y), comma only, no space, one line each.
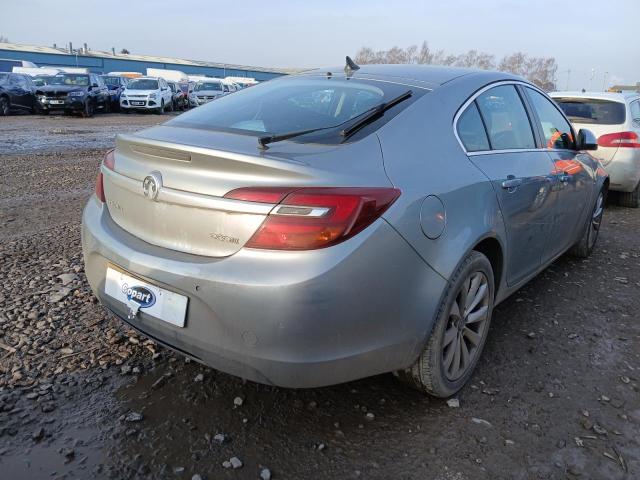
(363,119)
(267,139)
(374,113)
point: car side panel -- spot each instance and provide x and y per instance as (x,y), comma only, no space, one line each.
(423,157)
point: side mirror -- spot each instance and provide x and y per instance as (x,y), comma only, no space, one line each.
(94,85)
(586,140)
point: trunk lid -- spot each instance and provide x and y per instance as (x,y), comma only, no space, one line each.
(168,183)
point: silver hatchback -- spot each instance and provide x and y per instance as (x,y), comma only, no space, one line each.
(341,223)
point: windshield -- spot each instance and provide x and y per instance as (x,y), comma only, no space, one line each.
(112,81)
(299,103)
(209,86)
(40,81)
(589,110)
(79,80)
(143,84)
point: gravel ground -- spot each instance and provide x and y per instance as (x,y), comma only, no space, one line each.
(81,396)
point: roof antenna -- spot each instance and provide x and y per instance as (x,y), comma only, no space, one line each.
(351,66)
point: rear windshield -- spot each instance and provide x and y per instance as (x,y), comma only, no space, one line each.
(299,103)
(142,84)
(588,110)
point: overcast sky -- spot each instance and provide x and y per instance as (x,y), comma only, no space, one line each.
(583,36)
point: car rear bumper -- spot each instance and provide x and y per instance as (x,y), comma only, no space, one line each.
(293,319)
(624,170)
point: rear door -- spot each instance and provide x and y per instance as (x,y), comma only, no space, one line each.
(498,136)
(573,183)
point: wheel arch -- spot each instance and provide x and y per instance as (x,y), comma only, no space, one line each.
(491,248)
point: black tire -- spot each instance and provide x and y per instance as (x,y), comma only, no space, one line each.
(433,371)
(587,242)
(88,110)
(5,106)
(107,106)
(630,199)
(160,111)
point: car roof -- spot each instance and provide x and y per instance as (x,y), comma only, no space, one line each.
(430,75)
(612,96)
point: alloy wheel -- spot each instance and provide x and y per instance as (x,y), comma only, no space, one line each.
(466,325)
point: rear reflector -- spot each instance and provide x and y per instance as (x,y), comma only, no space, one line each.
(109,162)
(312,218)
(619,139)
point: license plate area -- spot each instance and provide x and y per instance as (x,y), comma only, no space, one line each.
(142,296)
(138,104)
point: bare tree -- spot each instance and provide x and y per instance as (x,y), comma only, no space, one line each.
(4,39)
(475,59)
(539,70)
(365,56)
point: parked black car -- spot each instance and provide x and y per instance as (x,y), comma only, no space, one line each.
(116,85)
(17,93)
(82,93)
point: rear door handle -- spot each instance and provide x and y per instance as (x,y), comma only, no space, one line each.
(511,183)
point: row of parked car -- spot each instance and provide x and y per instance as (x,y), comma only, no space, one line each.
(87,93)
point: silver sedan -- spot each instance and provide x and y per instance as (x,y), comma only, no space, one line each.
(341,223)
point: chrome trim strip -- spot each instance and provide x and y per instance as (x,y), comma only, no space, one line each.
(518,150)
(189,199)
(472,99)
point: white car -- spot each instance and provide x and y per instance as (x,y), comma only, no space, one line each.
(147,93)
(207,90)
(614,118)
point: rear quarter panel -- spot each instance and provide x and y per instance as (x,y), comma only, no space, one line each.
(423,157)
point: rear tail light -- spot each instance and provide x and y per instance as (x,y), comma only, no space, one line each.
(312,218)
(619,139)
(109,162)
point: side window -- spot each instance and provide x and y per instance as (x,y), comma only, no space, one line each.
(556,130)
(471,130)
(505,118)
(634,109)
